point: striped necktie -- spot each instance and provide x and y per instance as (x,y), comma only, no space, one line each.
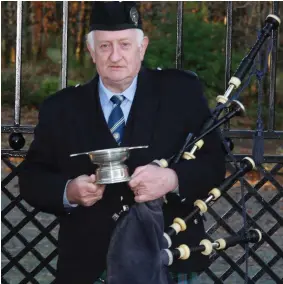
(116,121)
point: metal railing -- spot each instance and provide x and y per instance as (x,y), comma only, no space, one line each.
(27,257)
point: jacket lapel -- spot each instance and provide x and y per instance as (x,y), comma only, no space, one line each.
(139,129)
(93,121)
(140,125)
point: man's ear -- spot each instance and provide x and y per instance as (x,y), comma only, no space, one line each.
(143,47)
(91,51)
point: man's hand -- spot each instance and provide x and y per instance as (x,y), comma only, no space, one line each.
(151,182)
(83,191)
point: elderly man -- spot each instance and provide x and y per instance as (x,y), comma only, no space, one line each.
(124,105)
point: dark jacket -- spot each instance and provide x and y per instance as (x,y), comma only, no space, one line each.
(167,106)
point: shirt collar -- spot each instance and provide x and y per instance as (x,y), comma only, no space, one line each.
(105,94)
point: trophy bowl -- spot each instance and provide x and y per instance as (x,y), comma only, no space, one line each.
(111,167)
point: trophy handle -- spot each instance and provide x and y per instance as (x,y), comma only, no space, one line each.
(78,154)
(136,147)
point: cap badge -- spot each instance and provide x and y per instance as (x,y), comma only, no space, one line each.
(134,16)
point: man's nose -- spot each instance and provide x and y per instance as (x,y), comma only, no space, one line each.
(115,55)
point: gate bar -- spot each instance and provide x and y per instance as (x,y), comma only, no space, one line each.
(272,91)
(249,134)
(228,57)
(17,113)
(228,52)
(64,45)
(232,133)
(179,44)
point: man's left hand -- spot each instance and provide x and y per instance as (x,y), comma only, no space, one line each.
(152,182)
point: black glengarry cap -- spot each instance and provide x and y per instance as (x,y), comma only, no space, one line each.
(114,16)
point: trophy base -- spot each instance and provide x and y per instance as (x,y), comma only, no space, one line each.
(112,173)
(111,181)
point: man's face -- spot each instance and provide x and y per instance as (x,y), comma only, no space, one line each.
(118,54)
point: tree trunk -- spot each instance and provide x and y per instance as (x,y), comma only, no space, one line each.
(81,34)
(4,56)
(27,46)
(73,23)
(9,32)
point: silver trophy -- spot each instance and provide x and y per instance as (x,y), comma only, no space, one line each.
(111,167)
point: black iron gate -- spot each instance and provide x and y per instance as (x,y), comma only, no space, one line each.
(29,238)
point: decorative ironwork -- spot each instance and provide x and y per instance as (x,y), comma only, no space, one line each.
(29,237)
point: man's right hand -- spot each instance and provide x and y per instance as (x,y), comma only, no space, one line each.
(83,191)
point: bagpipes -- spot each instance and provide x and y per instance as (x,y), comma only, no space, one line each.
(139,250)
(179,224)
(206,247)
